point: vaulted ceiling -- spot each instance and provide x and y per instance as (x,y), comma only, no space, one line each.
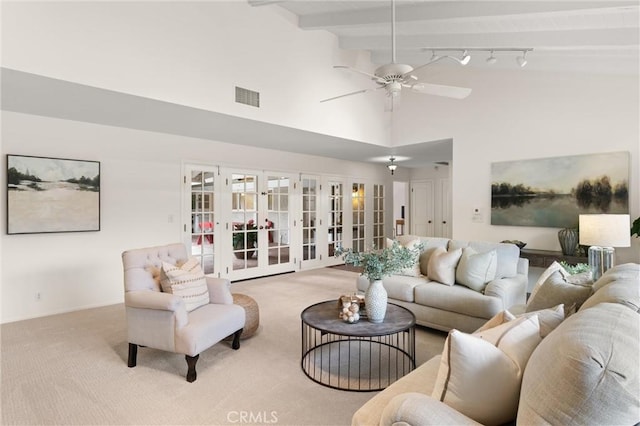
(593,36)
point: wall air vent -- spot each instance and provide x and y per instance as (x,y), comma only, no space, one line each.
(247,97)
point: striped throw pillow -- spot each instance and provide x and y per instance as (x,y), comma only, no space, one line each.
(186,281)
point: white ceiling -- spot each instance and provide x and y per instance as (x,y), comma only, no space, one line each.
(594,36)
(574,36)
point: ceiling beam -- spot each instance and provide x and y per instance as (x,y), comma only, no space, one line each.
(434,11)
(576,38)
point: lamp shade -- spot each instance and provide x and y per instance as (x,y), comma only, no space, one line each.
(605,230)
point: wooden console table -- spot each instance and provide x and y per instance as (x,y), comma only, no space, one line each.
(544,258)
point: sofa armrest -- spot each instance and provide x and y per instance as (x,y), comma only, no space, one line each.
(219,290)
(512,291)
(523,266)
(149,299)
(417,409)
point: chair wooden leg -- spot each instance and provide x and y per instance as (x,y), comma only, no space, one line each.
(191,364)
(133,355)
(236,339)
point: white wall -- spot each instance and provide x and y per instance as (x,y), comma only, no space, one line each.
(522,115)
(140,188)
(194,54)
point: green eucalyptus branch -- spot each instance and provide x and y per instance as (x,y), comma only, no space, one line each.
(378,264)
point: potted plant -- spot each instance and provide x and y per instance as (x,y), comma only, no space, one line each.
(377,264)
(239,238)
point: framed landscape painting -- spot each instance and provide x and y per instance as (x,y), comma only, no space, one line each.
(553,192)
(52,195)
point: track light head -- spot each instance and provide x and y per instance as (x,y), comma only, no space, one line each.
(522,60)
(465,58)
(492,59)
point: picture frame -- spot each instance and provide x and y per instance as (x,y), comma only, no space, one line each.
(51,195)
(553,192)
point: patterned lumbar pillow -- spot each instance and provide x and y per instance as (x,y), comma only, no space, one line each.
(186,281)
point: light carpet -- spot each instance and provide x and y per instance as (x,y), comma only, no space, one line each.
(72,369)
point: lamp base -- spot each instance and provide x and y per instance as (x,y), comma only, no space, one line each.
(600,259)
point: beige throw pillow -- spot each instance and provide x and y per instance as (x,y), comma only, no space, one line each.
(548,319)
(555,290)
(442,265)
(186,281)
(475,270)
(471,365)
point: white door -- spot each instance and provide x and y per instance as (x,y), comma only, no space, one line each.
(335,195)
(422,208)
(310,221)
(444,209)
(259,223)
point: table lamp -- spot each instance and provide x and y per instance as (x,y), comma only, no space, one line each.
(603,232)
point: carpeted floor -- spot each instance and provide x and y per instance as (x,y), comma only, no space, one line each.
(71,368)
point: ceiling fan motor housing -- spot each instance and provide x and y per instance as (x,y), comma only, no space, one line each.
(393,72)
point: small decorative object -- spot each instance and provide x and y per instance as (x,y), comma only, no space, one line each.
(635,228)
(349,309)
(376,265)
(578,268)
(568,238)
(519,243)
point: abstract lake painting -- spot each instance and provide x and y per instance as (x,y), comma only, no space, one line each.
(52,195)
(553,192)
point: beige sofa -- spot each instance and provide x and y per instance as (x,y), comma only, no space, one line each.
(445,307)
(583,372)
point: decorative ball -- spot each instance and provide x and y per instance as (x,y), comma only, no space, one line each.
(354,307)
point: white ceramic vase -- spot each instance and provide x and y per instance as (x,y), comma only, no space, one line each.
(375,301)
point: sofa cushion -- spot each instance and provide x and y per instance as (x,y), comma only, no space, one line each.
(442,265)
(457,298)
(586,371)
(186,281)
(556,289)
(507,254)
(475,270)
(470,364)
(555,266)
(413,271)
(620,284)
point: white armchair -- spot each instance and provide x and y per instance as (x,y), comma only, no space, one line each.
(161,321)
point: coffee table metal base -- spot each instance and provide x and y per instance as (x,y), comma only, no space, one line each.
(361,357)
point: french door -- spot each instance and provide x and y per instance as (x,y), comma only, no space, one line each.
(200,185)
(259,225)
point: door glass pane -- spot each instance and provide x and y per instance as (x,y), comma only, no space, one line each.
(203,218)
(244,200)
(378,216)
(309,225)
(334,220)
(277,222)
(358,202)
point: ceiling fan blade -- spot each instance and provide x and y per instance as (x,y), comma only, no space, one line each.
(441,90)
(371,76)
(345,95)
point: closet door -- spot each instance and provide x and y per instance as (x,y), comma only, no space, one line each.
(422,208)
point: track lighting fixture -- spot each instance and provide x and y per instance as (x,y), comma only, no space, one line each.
(392,166)
(438,53)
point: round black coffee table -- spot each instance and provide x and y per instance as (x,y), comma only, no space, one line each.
(357,357)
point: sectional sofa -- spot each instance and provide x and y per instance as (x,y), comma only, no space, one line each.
(458,284)
(581,370)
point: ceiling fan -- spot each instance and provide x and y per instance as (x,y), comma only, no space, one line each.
(394,77)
